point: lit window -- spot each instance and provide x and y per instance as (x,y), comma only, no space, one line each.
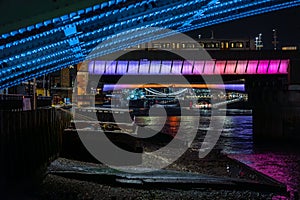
(156,45)
(222,45)
(239,44)
(173,45)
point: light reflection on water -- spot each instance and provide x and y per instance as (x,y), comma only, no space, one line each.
(236,140)
(273,160)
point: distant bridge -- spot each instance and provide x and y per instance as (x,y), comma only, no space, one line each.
(189,67)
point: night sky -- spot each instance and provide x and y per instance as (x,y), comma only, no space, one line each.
(286,22)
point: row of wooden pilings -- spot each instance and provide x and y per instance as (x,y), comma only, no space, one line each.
(29,141)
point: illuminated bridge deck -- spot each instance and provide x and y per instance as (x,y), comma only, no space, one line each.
(189,67)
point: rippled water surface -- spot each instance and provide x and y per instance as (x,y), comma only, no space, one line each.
(236,140)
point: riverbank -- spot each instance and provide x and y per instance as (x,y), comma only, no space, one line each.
(59,187)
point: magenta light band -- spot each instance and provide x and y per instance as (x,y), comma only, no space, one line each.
(220,66)
(241,67)
(273,66)
(209,67)
(198,67)
(284,64)
(187,67)
(176,67)
(230,67)
(144,67)
(166,67)
(263,66)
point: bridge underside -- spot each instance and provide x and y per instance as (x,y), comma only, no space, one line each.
(57,43)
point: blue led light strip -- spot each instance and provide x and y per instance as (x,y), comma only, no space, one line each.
(241,15)
(39,74)
(37,67)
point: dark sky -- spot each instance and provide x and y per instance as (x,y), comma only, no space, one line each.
(286,22)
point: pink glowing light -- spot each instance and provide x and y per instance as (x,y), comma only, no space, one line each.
(273,66)
(220,66)
(209,67)
(241,67)
(283,68)
(198,67)
(252,66)
(263,66)
(230,67)
(176,67)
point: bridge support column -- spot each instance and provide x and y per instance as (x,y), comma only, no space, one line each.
(276,110)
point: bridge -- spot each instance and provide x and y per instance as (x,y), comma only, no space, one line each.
(188,67)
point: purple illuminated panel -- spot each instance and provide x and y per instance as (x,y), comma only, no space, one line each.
(219,68)
(236,87)
(99,67)
(230,67)
(155,67)
(144,67)
(133,67)
(209,67)
(176,68)
(110,67)
(283,68)
(166,67)
(122,67)
(263,66)
(91,67)
(198,67)
(252,66)
(187,67)
(241,67)
(273,67)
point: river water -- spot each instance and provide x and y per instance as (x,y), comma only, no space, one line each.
(280,161)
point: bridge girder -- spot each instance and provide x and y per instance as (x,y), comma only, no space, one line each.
(57,43)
